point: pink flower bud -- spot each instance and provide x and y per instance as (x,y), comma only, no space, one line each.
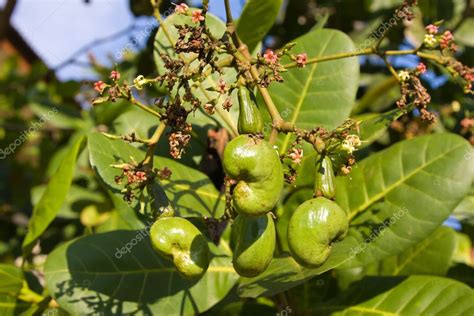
(301,60)
(197,16)
(432,29)
(270,56)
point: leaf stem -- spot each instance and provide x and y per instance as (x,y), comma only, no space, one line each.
(143,106)
(367,51)
(152,142)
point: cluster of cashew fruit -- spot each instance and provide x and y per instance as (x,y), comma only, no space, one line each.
(256,170)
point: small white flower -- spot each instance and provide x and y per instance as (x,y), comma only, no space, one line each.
(351,143)
(404,75)
(354,140)
(347,146)
(430,40)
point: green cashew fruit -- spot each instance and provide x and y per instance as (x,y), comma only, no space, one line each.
(254,244)
(324,185)
(256,167)
(250,120)
(313,227)
(178,240)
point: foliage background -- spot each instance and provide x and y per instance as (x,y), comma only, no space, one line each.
(29,90)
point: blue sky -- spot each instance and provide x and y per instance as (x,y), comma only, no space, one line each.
(56,29)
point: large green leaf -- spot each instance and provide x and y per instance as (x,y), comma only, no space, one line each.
(375,5)
(76,199)
(190,191)
(256,20)
(11,283)
(432,256)
(321,93)
(373,127)
(164,44)
(11,279)
(464,33)
(465,210)
(399,196)
(416,295)
(143,124)
(55,194)
(97,274)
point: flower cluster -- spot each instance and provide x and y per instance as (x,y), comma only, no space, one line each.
(135,176)
(414,93)
(444,41)
(458,70)
(175,117)
(136,179)
(270,67)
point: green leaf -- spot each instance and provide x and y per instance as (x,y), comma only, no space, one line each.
(98,274)
(465,210)
(373,127)
(143,124)
(137,121)
(431,256)
(11,283)
(131,220)
(256,20)
(190,191)
(462,251)
(464,34)
(76,199)
(321,93)
(54,196)
(65,118)
(245,308)
(381,92)
(11,279)
(399,196)
(376,5)
(415,295)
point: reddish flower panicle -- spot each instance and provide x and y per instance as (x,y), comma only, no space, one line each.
(446,40)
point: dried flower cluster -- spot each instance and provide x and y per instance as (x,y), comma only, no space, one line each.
(136,179)
(414,93)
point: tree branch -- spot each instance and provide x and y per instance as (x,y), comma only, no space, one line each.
(5,16)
